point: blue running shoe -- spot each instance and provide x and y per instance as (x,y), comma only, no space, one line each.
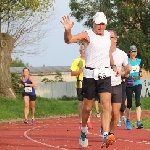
(83,141)
(128,125)
(139,125)
(124,119)
(119,124)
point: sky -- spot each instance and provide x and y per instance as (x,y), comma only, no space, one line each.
(57,52)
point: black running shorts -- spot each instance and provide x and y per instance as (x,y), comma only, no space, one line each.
(90,87)
(116,95)
(31,97)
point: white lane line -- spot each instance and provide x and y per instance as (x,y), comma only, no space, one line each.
(125,140)
(35,141)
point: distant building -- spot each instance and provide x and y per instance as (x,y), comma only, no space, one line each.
(49,72)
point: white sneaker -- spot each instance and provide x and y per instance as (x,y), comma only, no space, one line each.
(83,141)
(98,115)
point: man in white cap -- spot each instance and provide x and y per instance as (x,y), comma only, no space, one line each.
(97,77)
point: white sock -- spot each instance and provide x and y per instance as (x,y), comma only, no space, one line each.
(105,134)
(84,129)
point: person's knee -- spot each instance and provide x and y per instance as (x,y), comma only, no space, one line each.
(26,106)
(115,114)
(105,107)
(87,109)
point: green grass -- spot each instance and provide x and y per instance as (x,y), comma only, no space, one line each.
(13,108)
(145,121)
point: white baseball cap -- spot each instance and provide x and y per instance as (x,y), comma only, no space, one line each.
(99,17)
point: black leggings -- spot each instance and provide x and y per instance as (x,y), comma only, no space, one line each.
(129,92)
(123,96)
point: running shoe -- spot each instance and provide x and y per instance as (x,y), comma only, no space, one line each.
(32,121)
(108,140)
(119,124)
(124,119)
(128,125)
(25,121)
(89,125)
(139,125)
(83,141)
(98,115)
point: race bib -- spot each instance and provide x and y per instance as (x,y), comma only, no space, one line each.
(135,68)
(101,73)
(28,89)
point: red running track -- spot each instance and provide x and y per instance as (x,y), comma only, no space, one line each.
(63,134)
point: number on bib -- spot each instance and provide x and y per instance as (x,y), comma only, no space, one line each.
(101,73)
(28,89)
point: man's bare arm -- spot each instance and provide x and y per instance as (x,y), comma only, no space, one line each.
(69,38)
(111,58)
(76,73)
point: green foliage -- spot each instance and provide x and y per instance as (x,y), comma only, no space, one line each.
(45,80)
(15,80)
(18,8)
(145,121)
(130,19)
(18,63)
(58,78)
(66,98)
(15,77)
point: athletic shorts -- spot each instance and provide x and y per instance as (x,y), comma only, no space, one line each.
(79,94)
(31,97)
(116,95)
(91,87)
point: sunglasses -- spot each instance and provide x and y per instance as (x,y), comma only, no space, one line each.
(112,37)
(133,51)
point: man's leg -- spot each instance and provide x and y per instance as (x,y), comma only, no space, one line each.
(116,100)
(97,109)
(115,116)
(88,91)
(89,124)
(87,107)
(80,105)
(105,106)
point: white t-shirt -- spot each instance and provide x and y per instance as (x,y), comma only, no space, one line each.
(120,60)
(97,52)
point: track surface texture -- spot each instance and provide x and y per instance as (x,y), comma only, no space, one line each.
(63,134)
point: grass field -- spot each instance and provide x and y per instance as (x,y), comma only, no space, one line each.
(13,108)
